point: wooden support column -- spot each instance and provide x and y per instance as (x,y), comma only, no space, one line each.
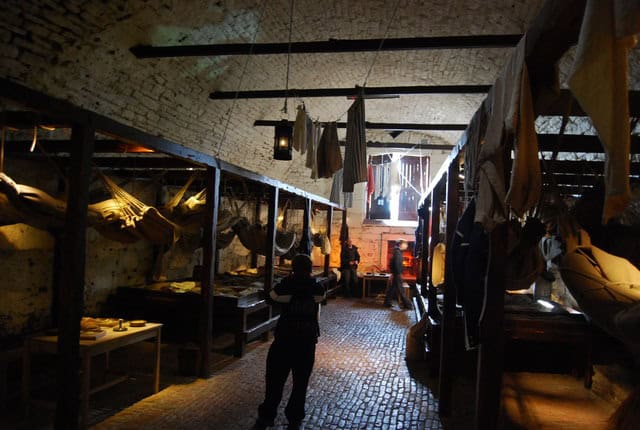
(208,269)
(447,348)
(327,258)
(305,240)
(434,235)
(71,294)
(256,219)
(272,222)
(491,352)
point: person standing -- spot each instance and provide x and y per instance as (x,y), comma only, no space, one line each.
(349,260)
(294,346)
(395,287)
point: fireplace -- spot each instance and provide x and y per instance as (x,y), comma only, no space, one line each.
(409,262)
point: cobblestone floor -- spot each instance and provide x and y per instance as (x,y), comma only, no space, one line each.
(360,381)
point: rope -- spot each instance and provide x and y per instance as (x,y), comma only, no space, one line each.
(375,58)
(286,87)
(242,75)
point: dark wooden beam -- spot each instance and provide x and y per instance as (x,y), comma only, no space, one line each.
(587,167)
(329,46)
(272,222)
(564,102)
(434,233)
(491,350)
(256,219)
(67,113)
(327,258)
(448,336)
(578,143)
(71,293)
(351,92)
(208,270)
(154,160)
(380,125)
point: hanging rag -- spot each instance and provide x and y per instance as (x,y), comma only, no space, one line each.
(474,136)
(336,187)
(300,130)
(599,81)
(504,122)
(328,154)
(312,161)
(355,155)
(371,186)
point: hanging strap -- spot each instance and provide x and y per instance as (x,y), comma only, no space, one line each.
(175,201)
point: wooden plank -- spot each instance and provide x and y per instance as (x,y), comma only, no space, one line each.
(491,350)
(305,239)
(256,219)
(329,46)
(327,258)
(434,233)
(71,294)
(272,222)
(208,270)
(351,92)
(378,125)
(447,351)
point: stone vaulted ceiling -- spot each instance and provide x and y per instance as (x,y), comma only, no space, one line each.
(79,50)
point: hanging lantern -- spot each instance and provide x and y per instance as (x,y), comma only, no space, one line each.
(283,141)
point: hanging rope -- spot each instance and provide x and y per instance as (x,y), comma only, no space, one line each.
(375,58)
(286,86)
(242,75)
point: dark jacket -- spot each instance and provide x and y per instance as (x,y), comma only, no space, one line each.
(300,298)
(396,261)
(349,254)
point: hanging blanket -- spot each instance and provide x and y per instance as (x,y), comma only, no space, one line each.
(328,154)
(355,154)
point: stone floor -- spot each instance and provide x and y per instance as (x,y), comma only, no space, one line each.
(360,381)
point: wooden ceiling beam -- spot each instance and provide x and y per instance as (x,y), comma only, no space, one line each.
(578,143)
(368,92)
(329,46)
(380,125)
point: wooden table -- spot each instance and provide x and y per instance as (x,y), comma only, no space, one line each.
(369,277)
(48,344)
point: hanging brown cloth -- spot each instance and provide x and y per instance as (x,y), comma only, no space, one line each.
(355,155)
(599,81)
(328,154)
(474,135)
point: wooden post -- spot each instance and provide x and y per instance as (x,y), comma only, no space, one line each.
(271,239)
(208,269)
(305,240)
(491,352)
(256,219)
(327,258)
(434,235)
(71,294)
(447,348)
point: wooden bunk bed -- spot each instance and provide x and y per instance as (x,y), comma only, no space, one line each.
(552,33)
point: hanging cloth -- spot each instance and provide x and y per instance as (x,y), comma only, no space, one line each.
(371,186)
(506,120)
(355,156)
(474,135)
(336,187)
(599,81)
(328,153)
(312,161)
(300,130)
